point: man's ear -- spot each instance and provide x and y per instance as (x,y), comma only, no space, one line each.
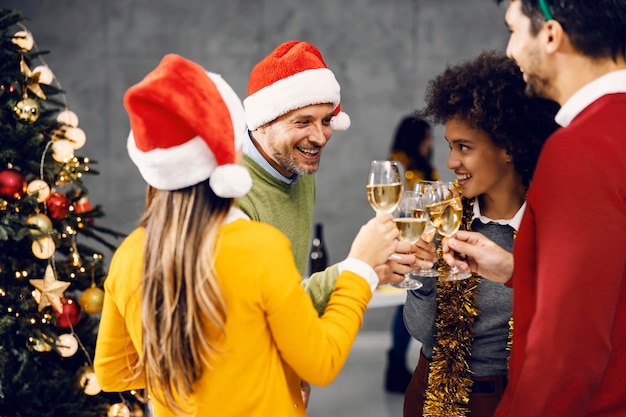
(555,36)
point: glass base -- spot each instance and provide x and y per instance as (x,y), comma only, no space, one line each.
(423,272)
(455,275)
(408,284)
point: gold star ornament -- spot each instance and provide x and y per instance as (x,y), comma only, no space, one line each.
(32,80)
(50,290)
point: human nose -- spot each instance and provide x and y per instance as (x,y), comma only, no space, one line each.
(453,161)
(509,49)
(320,134)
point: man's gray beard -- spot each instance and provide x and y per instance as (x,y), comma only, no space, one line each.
(291,166)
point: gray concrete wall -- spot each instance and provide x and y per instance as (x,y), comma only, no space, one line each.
(382,52)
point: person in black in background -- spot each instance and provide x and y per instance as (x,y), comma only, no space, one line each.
(412,146)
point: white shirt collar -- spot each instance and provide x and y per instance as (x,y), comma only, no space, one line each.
(514,222)
(235,213)
(612,82)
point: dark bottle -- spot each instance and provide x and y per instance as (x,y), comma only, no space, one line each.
(318,258)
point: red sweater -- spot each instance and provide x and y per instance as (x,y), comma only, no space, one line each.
(569,305)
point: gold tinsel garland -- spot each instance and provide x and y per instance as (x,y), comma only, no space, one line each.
(449,376)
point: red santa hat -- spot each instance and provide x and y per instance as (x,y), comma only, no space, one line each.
(186,126)
(292,76)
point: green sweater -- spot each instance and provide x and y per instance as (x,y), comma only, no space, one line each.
(289,208)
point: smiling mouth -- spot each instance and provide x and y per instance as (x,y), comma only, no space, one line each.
(308,152)
(463,178)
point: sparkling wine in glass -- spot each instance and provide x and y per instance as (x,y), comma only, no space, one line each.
(410,229)
(446,216)
(428,194)
(384,186)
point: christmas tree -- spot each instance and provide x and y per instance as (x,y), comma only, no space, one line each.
(50,274)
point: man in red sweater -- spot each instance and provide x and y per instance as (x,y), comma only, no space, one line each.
(569,279)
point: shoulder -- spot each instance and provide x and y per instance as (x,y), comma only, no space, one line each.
(254,234)
(127,262)
(132,244)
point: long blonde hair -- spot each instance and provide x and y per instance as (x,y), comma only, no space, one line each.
(180,294)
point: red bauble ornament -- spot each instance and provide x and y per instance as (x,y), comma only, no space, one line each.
(12,184)
(58,205)
(71,313)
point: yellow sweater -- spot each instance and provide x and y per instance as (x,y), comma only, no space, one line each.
(274,336)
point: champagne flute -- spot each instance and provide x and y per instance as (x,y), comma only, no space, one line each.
(446,216)
(427,191)
(384,186)
(410,229)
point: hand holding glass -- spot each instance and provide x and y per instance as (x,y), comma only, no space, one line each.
(410,229)
(446,216)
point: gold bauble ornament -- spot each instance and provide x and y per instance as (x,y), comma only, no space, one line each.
(68,117)
(27,110)
(44,247)
(62,150)
(67,345)
(92,299)
(137,411)
(40,187)
(23,39)
(118,410)
(40,220)
(76,136)
(45,74)
(38,345)
(89,383)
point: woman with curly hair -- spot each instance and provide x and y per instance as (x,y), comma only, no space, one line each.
(495,133)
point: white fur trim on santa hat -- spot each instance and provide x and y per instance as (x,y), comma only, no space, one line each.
(340,122)
(176,167)
(314,86)
(234,107)
(230,181)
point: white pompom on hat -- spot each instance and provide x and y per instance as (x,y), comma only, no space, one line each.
(292,76)
(186,127)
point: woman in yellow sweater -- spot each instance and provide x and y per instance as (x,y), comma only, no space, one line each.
(203,307)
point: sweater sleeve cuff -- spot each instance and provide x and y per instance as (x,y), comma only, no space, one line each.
(362,269)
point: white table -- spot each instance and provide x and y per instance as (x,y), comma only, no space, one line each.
(386,296)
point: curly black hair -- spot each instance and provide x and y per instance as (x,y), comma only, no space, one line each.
(488,93)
